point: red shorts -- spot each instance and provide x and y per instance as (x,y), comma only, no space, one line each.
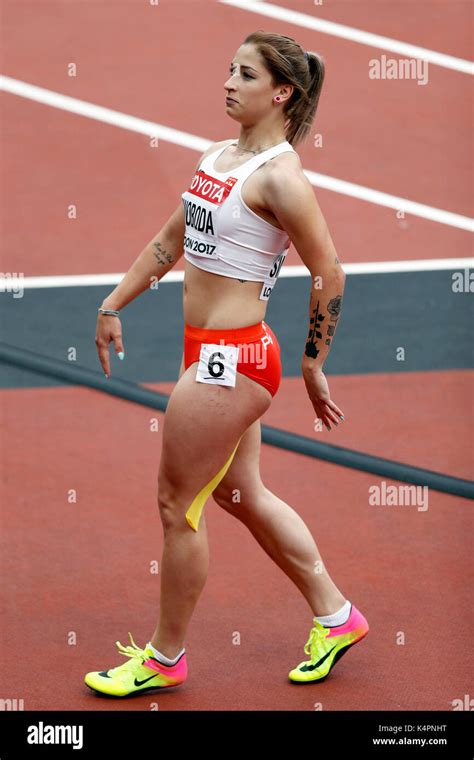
(258,351)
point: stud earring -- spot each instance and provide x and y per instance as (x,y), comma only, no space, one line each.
(277,98)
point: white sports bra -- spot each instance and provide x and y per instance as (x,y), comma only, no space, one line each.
(222,234)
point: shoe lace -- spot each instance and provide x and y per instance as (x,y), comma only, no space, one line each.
(317,634)
(133,651)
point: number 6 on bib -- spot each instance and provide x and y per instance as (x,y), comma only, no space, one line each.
(217,364)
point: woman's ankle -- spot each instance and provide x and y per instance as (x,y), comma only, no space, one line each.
(328,607)
(169,650)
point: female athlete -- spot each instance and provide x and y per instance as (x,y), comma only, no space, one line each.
(248,199)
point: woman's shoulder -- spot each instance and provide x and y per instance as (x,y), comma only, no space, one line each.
(283,171)
(283,164)
(215,146)
(288,158)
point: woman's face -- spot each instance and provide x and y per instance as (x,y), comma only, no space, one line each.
(249,85)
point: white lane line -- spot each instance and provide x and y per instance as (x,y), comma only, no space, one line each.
(390,201)
(200,144)
(104,115)
(353,34)
(11,283)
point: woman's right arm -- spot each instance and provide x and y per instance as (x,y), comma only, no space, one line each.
(157,258)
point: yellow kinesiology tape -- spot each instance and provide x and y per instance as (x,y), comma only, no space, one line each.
(194,512)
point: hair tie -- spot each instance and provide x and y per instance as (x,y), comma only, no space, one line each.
(306,55)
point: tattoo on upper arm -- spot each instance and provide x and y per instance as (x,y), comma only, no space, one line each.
(334,309)
(162,256)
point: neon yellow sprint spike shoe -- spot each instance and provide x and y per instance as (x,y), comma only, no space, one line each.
(142,672)
(326,645)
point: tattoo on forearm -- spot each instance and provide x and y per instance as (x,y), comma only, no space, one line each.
(311,349)
(162,256)
(334,309)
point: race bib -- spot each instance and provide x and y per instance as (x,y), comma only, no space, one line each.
(272,276)
(199,247)
(266,290)
(202,202)
(217,364)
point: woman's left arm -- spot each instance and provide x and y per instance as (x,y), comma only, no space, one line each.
(290,197)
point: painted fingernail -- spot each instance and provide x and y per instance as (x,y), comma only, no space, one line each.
(120,355)
(106,375)
(341,417)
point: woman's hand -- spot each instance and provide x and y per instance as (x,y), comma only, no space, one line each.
(318,392)
(109,328)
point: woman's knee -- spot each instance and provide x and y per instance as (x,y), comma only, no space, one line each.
(168,509)
(171,505)
(239,501)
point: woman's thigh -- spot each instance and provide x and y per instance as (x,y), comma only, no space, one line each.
(243,474)
(203,425)
(242,487)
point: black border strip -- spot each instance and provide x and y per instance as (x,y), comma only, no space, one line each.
(300,444)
